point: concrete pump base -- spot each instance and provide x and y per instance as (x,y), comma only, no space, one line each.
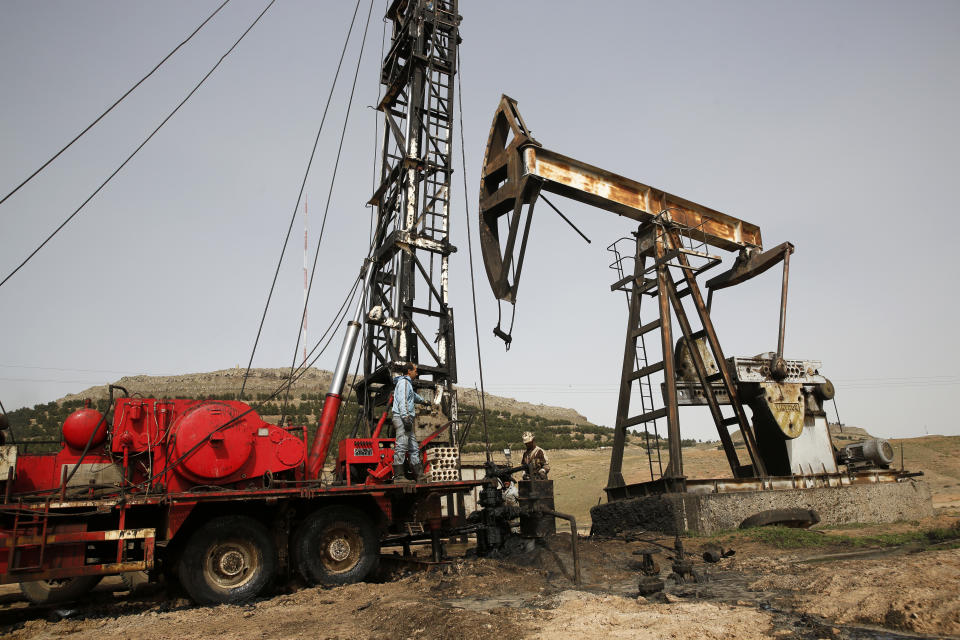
(706,513)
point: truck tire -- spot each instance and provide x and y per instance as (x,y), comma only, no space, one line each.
(56,591)
(336,545)
(229,559)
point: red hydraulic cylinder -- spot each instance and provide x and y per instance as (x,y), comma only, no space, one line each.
(331,405)
(321,443)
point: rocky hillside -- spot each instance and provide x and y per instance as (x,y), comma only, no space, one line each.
(263,382)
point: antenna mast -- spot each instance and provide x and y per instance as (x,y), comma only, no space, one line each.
(303,325)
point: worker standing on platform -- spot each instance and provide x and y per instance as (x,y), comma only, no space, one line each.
(534,459)
(404,412)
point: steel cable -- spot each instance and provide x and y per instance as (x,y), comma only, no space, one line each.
(473,286)
(118,101)
(137,150)
(328,335)
(326,209)
(296,207)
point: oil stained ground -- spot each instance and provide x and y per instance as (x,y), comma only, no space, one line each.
(727,587)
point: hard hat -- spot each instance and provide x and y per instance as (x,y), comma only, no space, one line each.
(527,437)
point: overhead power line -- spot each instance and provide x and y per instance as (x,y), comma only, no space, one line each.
(296,207)
(141,145)
(333,180)
(116,102)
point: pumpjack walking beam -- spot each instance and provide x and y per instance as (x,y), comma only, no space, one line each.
(410,319)
(517,168)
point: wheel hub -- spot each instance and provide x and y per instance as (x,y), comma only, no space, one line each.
(230,563)
(339,549)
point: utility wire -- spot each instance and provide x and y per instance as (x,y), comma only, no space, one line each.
(296,206)
(135,151)
(333,179)
(118,101)
(473,286)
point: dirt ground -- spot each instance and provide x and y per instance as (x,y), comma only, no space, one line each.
(763,591)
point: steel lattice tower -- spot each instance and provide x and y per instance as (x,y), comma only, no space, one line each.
(409,317)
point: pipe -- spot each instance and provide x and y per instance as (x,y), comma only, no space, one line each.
(783,303)
(334,398)
(435,547)
(574,541)
(63,481)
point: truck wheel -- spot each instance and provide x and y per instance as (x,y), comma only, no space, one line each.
(229,559)
(336,545)
(56,591)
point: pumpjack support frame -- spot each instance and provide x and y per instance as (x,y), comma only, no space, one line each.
(517,168)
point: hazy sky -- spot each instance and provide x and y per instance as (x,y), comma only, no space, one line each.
(829,124)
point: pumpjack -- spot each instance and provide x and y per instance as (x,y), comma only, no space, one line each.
(788,442)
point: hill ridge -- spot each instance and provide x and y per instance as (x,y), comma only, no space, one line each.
(313,381)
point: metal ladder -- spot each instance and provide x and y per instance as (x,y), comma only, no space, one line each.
(641,360)
(24,523)
(662,241)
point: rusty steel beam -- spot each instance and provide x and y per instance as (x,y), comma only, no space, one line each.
(675,465)
(60,573)
(516,168)
(615,193)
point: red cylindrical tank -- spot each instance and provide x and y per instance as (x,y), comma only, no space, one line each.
(79,426)
(208,450)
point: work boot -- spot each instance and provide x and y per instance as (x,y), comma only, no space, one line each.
(418,472)
(399,477)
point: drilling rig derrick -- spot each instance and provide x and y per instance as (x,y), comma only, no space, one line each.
(409,319)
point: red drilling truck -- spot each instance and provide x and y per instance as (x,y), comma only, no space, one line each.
(208,494)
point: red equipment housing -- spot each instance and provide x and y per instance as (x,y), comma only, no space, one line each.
(171,444)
